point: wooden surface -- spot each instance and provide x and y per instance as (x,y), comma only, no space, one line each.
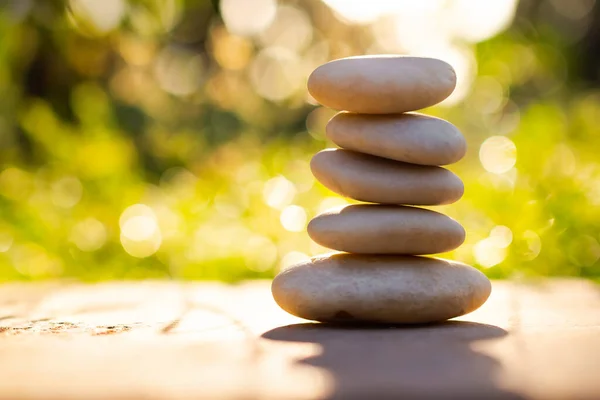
(165,340)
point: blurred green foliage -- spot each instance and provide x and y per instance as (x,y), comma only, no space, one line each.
(155,138)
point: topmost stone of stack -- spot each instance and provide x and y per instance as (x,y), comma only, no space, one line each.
(385,84)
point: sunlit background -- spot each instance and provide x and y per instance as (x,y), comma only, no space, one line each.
(155,138)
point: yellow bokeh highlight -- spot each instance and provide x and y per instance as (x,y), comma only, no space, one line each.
(293,218)
(194,128)
(140,234)
(66,192)
(260,253)
(291,29)
(279,192)
(96,17)
(136,50)
(487,253)
(32,260)
(492,250)
(247,17)
(501,236)
(89,235)
(276,73)
(498,154)
(231,51)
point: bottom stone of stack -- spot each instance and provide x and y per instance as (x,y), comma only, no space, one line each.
(351,288)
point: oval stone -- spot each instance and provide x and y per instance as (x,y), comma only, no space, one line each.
(378,180)
(413,138)
(380,289)
(381,229)
(385,84)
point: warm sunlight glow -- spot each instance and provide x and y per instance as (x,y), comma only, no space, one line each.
(293,218)
(140,234)
(260,253)
(231,51)
(360,11)
(476,21)
(498,154)
(103,16)
(293,257)
(66,192)
(462,60)
(487,253)
(331,202)
(290,29)
(247,17)
(276,73)
(179,71)
(435,28)
(501,236)
(140,227)
(279,192)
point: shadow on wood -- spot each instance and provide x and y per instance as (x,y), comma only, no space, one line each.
(426,361)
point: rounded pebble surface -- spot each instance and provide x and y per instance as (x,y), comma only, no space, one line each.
(385,84)
(378,180)
(381,229)
(348,288)
(413,138)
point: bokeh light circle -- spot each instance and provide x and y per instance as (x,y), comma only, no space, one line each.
(498,154)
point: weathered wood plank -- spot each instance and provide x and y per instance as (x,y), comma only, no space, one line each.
(166,340)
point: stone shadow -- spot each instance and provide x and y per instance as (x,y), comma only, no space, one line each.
(415,362)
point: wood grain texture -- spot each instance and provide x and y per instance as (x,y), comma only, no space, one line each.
(165,340)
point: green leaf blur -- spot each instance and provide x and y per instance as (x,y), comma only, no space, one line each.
(172,138)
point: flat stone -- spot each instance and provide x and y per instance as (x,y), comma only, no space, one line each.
(385,84)
(374,179)
(380,289)
(381,229)
(413,138)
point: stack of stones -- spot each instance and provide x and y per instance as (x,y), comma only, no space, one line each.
(390,157)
